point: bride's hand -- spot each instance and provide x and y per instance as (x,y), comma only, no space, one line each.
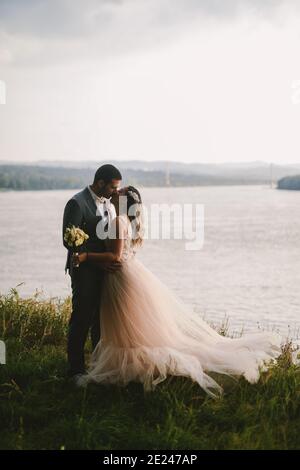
(78,258)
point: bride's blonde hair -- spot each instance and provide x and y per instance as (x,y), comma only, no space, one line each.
(134,202)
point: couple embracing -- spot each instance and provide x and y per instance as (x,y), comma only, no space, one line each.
(140,331)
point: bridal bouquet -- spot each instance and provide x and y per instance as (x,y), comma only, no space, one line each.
(75,237)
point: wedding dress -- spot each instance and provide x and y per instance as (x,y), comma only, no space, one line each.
(147,333)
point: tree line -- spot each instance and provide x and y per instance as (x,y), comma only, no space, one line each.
(34,177)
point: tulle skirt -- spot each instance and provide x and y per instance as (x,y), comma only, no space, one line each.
(147,333)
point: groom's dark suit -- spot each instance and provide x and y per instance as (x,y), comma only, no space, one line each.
(86,280)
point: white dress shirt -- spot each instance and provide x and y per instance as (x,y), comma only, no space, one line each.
(104,208)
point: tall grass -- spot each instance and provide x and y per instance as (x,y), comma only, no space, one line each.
(41,409)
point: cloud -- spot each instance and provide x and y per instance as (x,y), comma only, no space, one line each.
(56,18)
(195,80)
(54,31)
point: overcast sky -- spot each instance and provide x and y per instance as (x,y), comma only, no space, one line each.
(185,80)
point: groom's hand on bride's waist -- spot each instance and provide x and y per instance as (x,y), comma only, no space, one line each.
(109,266)
(112,267)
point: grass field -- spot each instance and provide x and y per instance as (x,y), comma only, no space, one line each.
(41,409)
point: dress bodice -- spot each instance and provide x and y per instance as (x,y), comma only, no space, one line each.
(128,250)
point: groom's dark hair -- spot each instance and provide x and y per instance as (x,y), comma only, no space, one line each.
(107,173)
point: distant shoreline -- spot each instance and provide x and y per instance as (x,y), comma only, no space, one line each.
(10,190)
(39,178)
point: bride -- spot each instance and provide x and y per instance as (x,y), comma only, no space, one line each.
(147,333)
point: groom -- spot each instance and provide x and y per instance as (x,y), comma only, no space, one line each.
(86,210)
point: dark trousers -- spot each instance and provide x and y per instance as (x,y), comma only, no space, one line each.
(86,282)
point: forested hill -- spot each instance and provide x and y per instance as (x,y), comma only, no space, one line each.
(17,176)
(289,182)
(25,177)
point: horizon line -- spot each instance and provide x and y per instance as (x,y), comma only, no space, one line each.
(266,162)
